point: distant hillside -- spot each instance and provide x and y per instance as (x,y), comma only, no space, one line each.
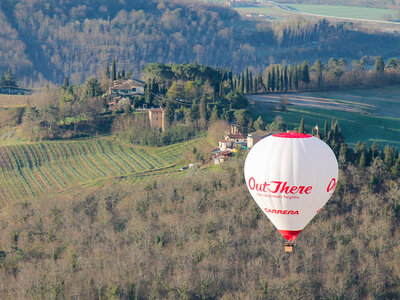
(52,39)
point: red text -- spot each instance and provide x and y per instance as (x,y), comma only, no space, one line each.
(278,187)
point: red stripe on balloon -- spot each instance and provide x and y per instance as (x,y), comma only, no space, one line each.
(290,135)
(290,235)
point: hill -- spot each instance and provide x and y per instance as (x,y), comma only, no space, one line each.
(201,236)
(53,39)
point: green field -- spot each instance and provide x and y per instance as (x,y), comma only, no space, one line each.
(30,170)
(378,122)
(368,13)
(338,11)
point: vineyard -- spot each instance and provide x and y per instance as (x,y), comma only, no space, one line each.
(29,170)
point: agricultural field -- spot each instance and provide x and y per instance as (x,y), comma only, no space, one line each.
(363,115)
(341,11)
(30,170)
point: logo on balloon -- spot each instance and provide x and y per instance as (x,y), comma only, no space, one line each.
(331,185)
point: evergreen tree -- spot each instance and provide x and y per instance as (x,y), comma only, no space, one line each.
(9,79)
(107,71)
(259,124)
(113,71)
(251,87)
(203,108)
(250,125)
(93,88)
(273,79)
(318,69)
(389,156)
(295,79)
(285,79)
(214,114)
(362,163)
(169,112)
(379,65)
(305,75)
(301,127)
(325,130)
(246,81)
(242,84)
(65,83)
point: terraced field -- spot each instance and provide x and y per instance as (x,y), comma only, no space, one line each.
(29,170)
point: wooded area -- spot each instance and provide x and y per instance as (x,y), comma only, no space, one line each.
(43,35)
(201,236)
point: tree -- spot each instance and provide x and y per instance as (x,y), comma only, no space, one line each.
(242,117)
(379,66)
(65,83)
(389,156)
(301,127)
(214,114)
(203,108)
(326,130)
(9,79)
(92,88)
(169,112)
(392,64)
(318,68)
(305,75)
(278,125)
(259,124)
(107,71)
(113,71)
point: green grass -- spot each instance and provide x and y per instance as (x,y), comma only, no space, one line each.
(355,127)
(29,170)
(344,11)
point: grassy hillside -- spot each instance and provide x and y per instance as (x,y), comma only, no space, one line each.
(345,11)
(29,170)
(378,119)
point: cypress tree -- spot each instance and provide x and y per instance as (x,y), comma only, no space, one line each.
(305,74)
(285,79)
(113,71)
(251,88)
(65,83)
(242,84)
(214,114)
(107,71)
(301,127)
(273,78)
(325,130)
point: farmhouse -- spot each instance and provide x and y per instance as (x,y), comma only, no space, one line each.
(127,88)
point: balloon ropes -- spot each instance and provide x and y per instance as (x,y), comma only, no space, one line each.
(291,176)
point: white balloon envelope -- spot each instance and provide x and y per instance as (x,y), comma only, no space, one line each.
(291,176)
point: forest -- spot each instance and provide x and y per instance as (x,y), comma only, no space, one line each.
(43,35)
(199,235)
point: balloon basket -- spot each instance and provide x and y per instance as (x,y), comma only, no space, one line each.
(289,247)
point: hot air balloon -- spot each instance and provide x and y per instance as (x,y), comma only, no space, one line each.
(291,176)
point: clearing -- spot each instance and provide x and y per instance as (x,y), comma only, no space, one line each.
(368,115)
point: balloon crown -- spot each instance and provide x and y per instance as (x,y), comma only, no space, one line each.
(292,135)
